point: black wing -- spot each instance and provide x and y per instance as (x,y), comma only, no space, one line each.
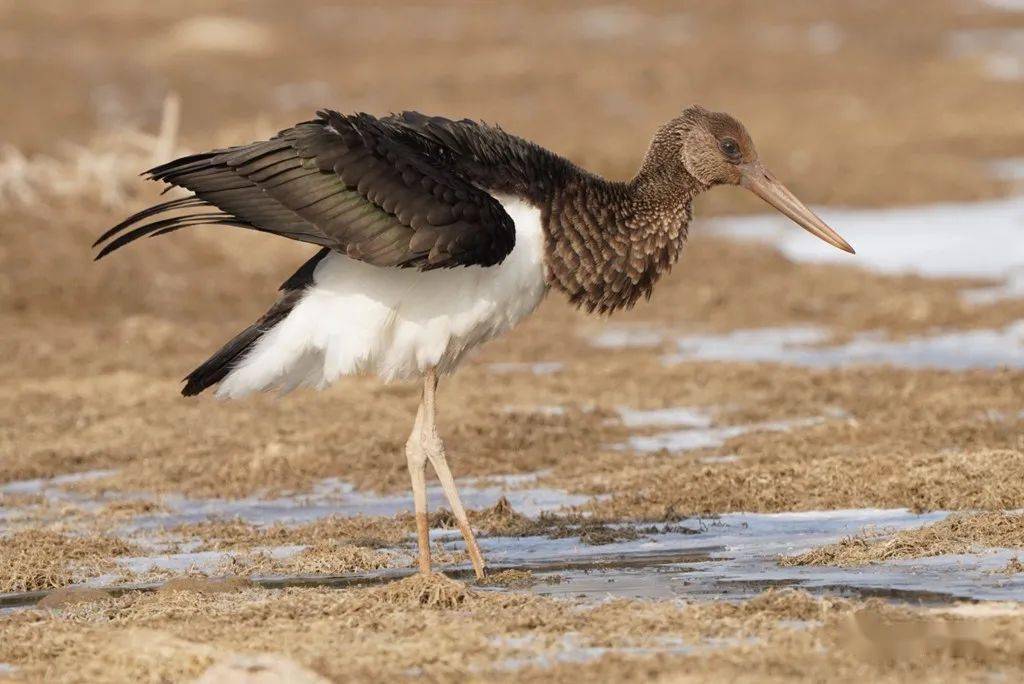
(348,183)
(492,158)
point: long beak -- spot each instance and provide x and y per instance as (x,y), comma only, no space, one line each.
(759,181)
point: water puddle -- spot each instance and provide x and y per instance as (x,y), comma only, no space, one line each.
(742,550)
(329,497)
(549,410)
(53,487)
(960,350)
(1005,5)
(999,50)
(695,429)
(806,346)
(572,648)
(733,556)
(53,491)
(952,240)
(539,368)
(676,416)
(1010,169)
(689,439)
(205,562)
(628,337)
(335,497)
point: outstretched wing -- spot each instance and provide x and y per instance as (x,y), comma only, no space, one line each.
(348,183)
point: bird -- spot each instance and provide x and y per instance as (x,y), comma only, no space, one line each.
(436,235)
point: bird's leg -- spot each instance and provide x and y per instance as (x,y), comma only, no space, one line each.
(434,448)
(417,461)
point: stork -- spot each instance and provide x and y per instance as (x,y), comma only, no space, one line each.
(436,236)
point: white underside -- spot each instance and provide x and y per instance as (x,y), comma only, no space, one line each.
(395,323)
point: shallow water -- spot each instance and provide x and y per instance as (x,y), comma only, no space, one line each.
(570,649)
(688,439)
(728,557)
(731,556)
(676,416)
(1005,5)
(952,240)
(335,497)
(329,497)
(1000,50)
(537,368)
(802,346)
(52,487)
(742,550)
(188,562)
(806,346)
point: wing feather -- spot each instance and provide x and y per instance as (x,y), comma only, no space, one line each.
(349,183)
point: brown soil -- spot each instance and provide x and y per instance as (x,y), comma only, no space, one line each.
(70,596)
(207,585)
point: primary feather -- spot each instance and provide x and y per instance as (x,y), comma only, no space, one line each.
(349,183)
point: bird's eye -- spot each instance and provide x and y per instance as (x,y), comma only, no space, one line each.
(729,147)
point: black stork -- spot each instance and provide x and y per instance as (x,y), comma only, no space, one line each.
(435,236)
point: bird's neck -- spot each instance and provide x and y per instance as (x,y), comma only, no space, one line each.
(609,242)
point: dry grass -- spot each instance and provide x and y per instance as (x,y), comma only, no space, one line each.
(427,591)
(104,171)
(450,632)
(954,535)
(512,579)
(162,443)
(1013,567)
(41,559)
(429,622)
(324,557)
(355,531)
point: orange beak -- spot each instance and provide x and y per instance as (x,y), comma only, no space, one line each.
(759,181)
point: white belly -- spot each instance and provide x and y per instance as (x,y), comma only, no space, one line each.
(395,323)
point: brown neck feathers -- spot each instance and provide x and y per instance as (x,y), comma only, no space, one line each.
(607,243)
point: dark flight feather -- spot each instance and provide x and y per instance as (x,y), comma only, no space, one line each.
(216,368)
(354,184)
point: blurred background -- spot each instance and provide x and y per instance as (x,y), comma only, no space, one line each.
(853,104)
(856,106)
(768,374)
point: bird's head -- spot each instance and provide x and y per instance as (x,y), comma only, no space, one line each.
(716,149)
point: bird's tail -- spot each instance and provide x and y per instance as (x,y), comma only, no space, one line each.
(218,366)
